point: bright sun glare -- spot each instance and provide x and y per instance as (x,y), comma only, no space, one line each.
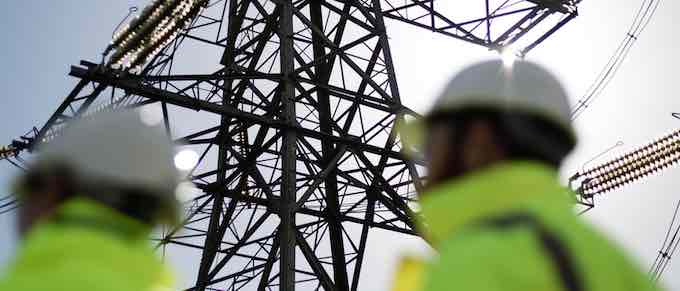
(185,160)
(508,56)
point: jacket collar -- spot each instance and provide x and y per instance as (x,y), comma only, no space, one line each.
(87,213)
(448,207)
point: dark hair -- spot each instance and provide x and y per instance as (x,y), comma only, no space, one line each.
(523,136)
(39,179)
(131,202)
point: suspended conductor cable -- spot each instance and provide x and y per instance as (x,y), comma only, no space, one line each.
(11,202)
(668,252)
(667,249)
(8,210)
(661,256)
(609,149)
(20,167)
(8,204)
(131,10)
(670,255)
(642,19)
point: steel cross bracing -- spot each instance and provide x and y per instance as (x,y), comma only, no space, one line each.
(292,106)
(495,24)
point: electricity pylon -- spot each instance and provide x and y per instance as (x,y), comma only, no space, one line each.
(291,106)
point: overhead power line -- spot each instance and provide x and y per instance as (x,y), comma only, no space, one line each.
(668,247)
(8,204)
(642,19)
(609,149)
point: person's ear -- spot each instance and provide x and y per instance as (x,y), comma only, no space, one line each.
(481,146)
(441,153)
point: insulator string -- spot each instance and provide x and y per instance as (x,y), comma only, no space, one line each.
(632,166)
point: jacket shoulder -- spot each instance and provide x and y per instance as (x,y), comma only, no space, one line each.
(56,258)
(603,263)
(490,260)
(514,258)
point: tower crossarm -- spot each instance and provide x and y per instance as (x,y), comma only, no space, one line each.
(492,24)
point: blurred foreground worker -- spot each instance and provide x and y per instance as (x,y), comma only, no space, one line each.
(89,203)
(494,210)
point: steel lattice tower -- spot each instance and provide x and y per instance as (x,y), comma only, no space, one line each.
(292,107)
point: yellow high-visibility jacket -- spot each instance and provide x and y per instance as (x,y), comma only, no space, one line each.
(512,227)
(87,246)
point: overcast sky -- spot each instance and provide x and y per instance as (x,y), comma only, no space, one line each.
(41,39)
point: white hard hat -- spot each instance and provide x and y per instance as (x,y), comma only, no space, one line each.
(523,87)
(116,148)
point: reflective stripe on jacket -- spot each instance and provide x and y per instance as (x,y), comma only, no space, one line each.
(512,227)
(87,246)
